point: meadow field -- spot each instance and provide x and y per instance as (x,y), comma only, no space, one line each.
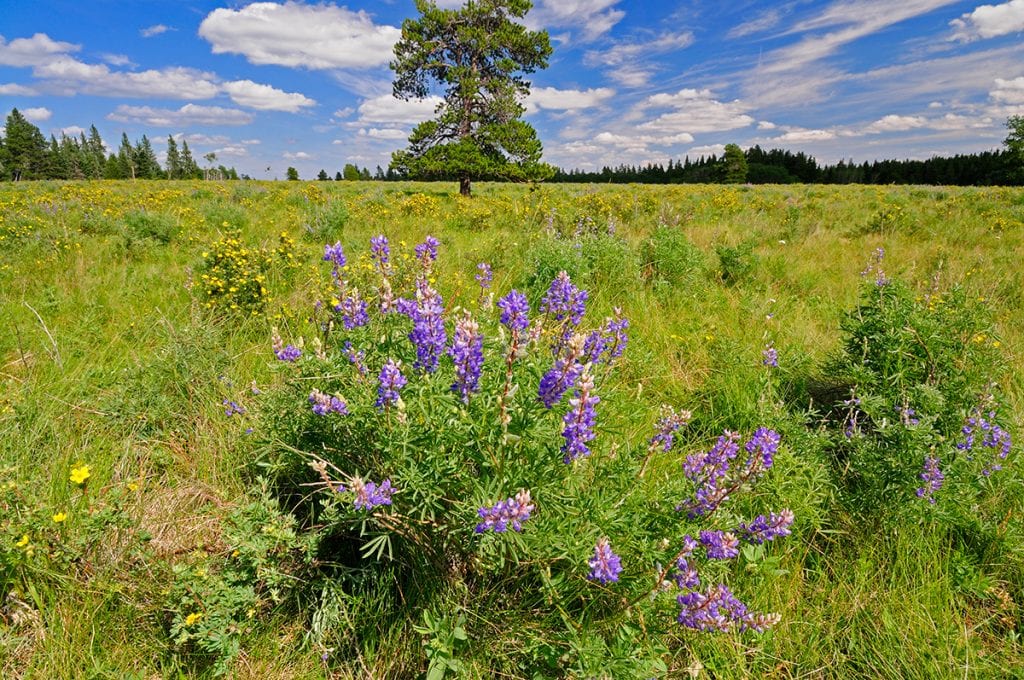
(201,473)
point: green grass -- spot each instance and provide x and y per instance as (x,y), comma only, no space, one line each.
(109,356)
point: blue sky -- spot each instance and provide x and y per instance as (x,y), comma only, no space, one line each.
(270,85)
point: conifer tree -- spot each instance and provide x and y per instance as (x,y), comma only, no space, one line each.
(173,159)
(478,55)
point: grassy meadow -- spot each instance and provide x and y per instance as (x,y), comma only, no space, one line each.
(122,348)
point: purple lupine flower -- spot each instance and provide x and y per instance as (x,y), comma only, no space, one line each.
(907,415)
(233,408)
(720,545)
(667,426)
(324,404)
(579,420)
(765,444)
(605,565)
(932,476)
(564,300)
(707,470)
(514,310)
(994,438)
(852,426)
(353,310)
(468,355)
(356,358)
(369,495)
(509,512)
(390,381)
(484,276)
(766,528)
(288,353)
(380,252)
(770,357)
(426,252)
(557,380)
(335,254)
(716,610)
(428,334)
(686,575)
(594,346)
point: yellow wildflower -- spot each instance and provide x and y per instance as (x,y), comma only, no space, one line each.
(60,517)
(23,542)
(80,473)
(193,618)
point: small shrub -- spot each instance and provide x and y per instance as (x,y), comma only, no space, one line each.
(667,255)
(144,226)
(735,263)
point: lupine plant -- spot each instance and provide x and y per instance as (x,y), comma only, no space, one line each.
(486,429)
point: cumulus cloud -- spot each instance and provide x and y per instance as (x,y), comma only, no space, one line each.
(551,98)
(692,111)
(989,21)
(299,35)
(297,156)
(388,109)
(155,29)
(264,97)
(37,115)
(383,133)
(33,51)
(16,89)
(593,18)
(799,135)
(117,59)
(189,114)
(1009,91)
(72,131)
(70,76)
(894,123)
(707,150)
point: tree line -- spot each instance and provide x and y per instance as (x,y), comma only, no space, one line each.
(25,154)
(780,166)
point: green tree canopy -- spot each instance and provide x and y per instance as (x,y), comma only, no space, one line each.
(1015,145)
(291,174)
(478,55)
(734,165)
(24,149)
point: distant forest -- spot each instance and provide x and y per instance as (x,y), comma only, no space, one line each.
(25,154)
(779,166)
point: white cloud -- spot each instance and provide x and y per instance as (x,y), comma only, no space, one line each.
(250,142)
(16,89)
(117,59)
(37,115)
(989,21)
(388,109)
(765,125)
(800,135)
(707,150)
(551,98)
(70,76)
(72,131)
(235,151)
(629,63)
(767,20)
(297,156)
(894,123)
(693,111)
(189,114)
(208,140)
(383,133)
(264,97)
(593,17)
(1009,91)
(155,29)
(33,51)
(298,35)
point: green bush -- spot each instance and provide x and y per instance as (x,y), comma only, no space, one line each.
(667,255)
